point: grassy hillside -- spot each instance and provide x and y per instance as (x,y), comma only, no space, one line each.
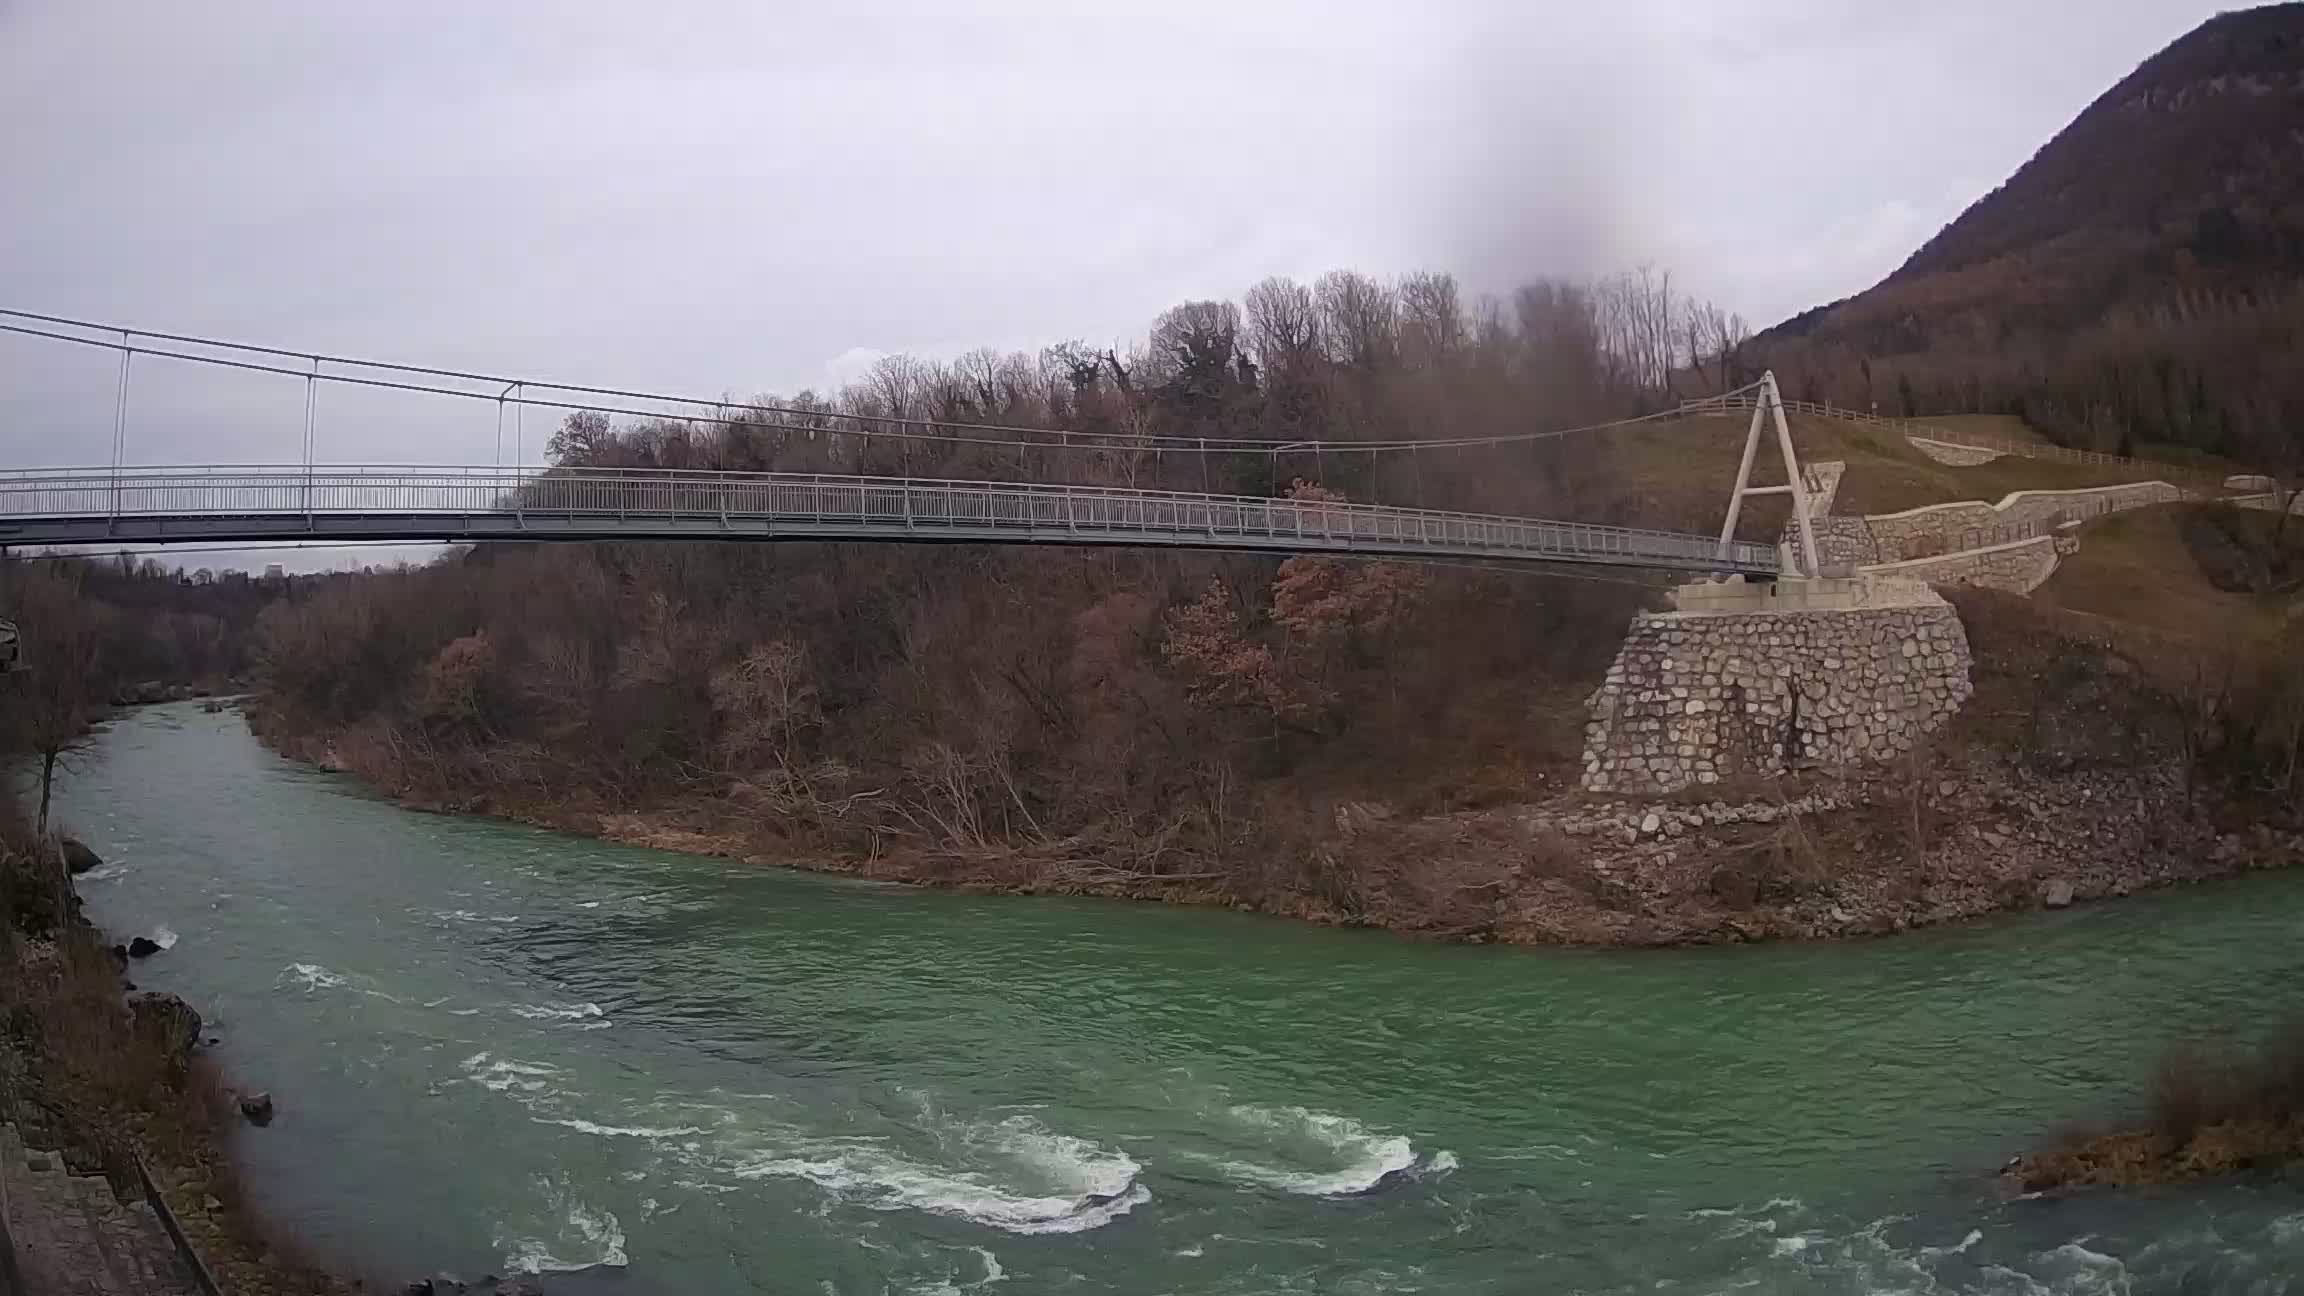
(1677,474)
(2135,568)
(2001,427)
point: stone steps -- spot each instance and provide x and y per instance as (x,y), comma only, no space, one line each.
(73,1237)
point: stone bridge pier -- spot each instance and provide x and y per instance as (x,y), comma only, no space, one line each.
(1765,679)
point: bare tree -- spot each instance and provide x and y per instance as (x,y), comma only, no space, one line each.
(1283,326)
(1639,327)
(1195,345)
(1733,338)
(982,375)
(582,439)
(1359,320)
(1711,340)
(1560,331)
(1432,323)
(765,702)
(62,636)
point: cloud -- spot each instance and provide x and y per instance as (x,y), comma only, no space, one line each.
(734,197)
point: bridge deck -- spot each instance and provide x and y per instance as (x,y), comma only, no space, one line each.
(182,504)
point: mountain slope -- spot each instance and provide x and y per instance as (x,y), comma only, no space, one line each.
(2198,148)
(2132,282)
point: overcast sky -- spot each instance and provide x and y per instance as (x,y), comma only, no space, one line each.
(738,196)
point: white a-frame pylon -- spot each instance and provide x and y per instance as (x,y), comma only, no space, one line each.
(1768,404)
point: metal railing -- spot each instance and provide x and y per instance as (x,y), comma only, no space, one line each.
(186,1253)
(1922,548)
(11,1277)
(117,1154)
(1941,434)
(101,505)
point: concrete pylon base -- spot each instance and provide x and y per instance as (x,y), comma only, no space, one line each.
(1738,596)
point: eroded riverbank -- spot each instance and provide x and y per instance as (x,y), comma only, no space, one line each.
(731,1076)
(2068,777)
(1817,859)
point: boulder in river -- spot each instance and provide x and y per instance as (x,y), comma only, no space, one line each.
(143,947)
(175,1023)
(77,856)
(2057,894)
(257,1107)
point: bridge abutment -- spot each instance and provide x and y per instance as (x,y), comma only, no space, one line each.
(1763,679)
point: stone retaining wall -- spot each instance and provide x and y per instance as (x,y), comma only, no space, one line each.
(1942,528)
(1693,698)
(1959,456)
(1839,541)
(2268,503)
(1846,540)
(1823,482)
(2019,567)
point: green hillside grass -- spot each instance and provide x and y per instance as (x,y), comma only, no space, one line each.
(2000,427)
(1676,474)
(2137,569)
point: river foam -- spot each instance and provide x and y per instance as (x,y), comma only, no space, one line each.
(590,1013)
(311,977)
(622,1131)
(571,1234)
(1012,1174)
(508,1075)
(468,916)
(1015,1175)
(1350,1158)
(1884,1257)
(951,1284)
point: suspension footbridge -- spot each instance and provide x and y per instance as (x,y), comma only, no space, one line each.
(124,503)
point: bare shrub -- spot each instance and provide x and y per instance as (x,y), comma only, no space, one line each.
(2210,1109)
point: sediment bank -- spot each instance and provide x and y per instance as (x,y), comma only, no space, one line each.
(1815,858)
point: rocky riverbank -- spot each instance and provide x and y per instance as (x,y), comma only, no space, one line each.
(104,1077)
(2075,771)
(97,1077)
(1818,858)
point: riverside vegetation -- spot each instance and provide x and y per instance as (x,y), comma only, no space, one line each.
(88,1067)
(2211,1109)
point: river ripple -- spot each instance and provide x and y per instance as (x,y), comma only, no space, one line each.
(499,1048)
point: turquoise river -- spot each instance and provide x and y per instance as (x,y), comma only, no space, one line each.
(501,1049)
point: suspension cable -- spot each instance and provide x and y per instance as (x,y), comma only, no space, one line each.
(810,420)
